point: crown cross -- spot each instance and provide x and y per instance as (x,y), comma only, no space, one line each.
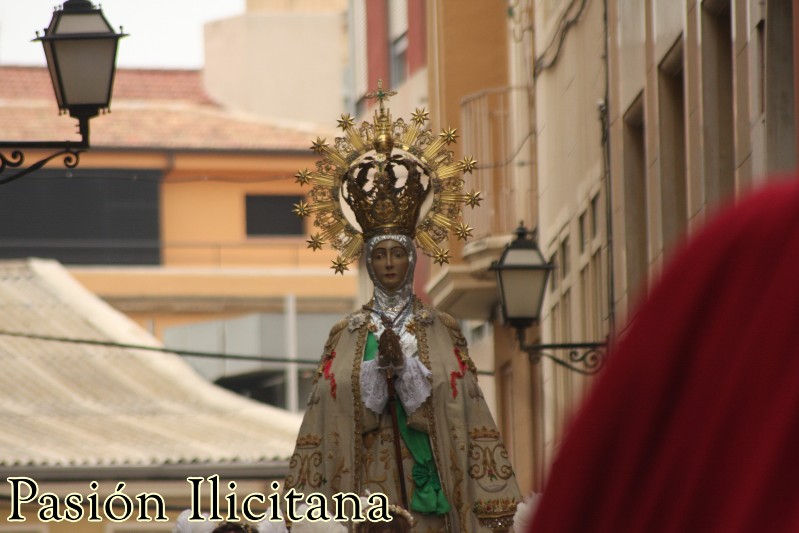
(380,95)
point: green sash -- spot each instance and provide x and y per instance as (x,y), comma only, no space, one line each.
(427,497)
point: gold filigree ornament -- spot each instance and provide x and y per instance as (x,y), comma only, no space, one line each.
(496,515)
(383,178)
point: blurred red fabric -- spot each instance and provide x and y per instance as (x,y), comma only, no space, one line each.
(694,423)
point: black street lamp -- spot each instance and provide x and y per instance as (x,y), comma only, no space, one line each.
(80,47)
(522,275)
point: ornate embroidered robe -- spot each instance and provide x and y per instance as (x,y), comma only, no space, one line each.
(345,447)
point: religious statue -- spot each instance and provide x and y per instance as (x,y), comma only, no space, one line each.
(396,408)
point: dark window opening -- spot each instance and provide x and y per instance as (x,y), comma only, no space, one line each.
(83,216)
(272,215)
(399,60)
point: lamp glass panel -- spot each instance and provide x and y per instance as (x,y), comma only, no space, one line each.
(523,257)
(86,68)
(82,23)
(48,54)
(523,291)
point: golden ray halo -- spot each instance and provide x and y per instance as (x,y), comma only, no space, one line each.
(413,138)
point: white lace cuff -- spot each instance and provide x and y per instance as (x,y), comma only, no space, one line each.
(413,385)
(374,389)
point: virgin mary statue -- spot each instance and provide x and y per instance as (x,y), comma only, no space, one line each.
(396,408)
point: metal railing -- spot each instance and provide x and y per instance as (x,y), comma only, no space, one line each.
(213,254)
(497,130)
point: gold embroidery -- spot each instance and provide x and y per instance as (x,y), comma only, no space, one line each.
(454,434)
(421,336)
(313,399)
(458,340)
(306,473)
(457,496)
(335,334)
(357,403)
(424,316)
(484,433)
(356,320)
(339,469)
(484,463)
(309,441)
(337,463)
(484,449)
(472,388)
(496,515)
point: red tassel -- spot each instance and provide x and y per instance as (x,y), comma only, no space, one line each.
(330,376)
(457,375)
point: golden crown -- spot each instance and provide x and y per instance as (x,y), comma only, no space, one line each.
(385,172)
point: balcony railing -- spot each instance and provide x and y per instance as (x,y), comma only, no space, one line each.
(209,254)
(497,129)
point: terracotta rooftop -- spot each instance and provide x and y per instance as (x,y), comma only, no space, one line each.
(83,406)
(151,109)
(33,83)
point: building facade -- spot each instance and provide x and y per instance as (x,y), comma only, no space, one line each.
(614,128)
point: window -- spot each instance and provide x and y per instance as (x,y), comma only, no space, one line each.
(595,216)
(553,278)
(718,110)
(272,215)
(583,233)
(285,385)
(599,294)
(267,386)
(399,60)
(566,315)
(83,217)
(672,157)
(359,60)
(398,41)
(565,265)
(636,247)
(478,333)
(586,303)
(760,43)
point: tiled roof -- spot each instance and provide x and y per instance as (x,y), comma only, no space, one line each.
(151,109)
(130,84)
(68,405)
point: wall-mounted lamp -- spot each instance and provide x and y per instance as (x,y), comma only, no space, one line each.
(522,276)
(80,47)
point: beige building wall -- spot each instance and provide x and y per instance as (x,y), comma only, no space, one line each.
(570,87)
(699,91)
(696,95)
(254,6)
(645,118)
(286,64)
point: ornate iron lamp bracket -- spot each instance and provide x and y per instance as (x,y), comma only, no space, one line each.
(586,358)
(70,150)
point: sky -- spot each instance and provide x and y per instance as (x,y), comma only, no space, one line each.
(162,33)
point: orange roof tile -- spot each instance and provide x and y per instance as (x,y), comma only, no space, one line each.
(129,84)
(151,109)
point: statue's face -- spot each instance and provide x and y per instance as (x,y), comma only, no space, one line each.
(390,263)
